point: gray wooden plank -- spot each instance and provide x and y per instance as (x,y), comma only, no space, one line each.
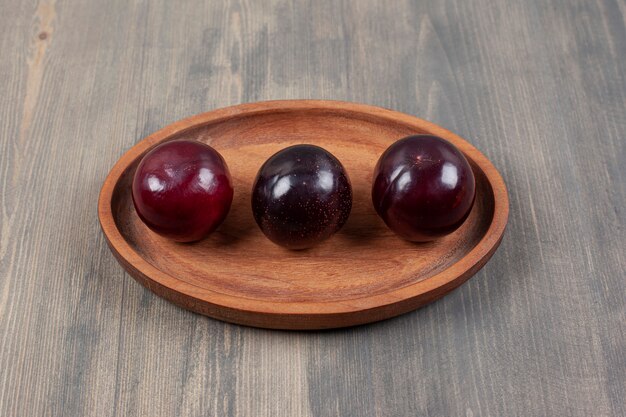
(539,87)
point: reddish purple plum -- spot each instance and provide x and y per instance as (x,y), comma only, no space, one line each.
(301,196)
(182,190)
(423,188)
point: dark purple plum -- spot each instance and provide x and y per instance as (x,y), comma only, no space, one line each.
(182,190)
(423,188)
(301,196)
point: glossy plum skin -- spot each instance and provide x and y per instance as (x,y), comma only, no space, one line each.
(182,190)
(423,188)
(301,196)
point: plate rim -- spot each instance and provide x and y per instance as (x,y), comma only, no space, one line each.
(297,314)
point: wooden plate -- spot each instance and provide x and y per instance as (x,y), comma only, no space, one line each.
(362,274)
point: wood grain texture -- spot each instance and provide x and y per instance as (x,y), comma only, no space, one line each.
(364,274)
(539,87)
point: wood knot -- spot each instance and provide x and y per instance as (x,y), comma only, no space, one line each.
(43,36)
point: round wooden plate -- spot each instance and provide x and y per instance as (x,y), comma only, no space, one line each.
(362,274)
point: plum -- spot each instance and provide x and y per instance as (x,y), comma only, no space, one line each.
(423,188)
(182,190)
(301,196)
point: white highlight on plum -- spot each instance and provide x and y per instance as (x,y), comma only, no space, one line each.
(282,186)
(404,180)
(395,174)
(206,177)
(155,184)
(449,175)
(325,180)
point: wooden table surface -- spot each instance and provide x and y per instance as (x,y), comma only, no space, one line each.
(539,87)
